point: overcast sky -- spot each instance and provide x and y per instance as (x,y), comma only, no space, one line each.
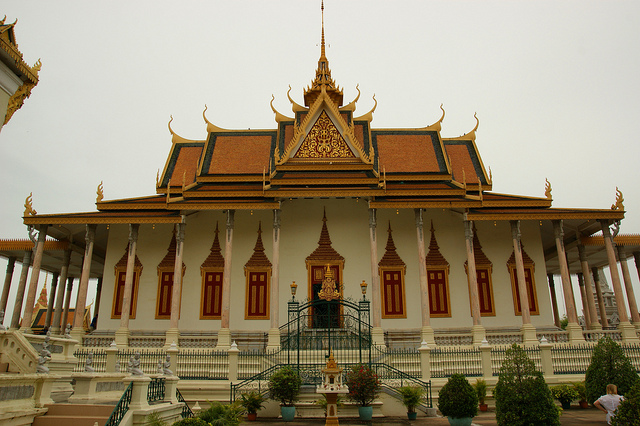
(555,84)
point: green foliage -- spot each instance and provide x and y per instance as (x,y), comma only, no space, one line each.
(194,421)
(363,383)
(481,389)
(411,396)
(564,393)
(564,321)
(154,419)
(222,414)
(284,386)
(458,398)
(252,401)
(628,413)
(581,389)
(323,402)
(608,365)
(522,396)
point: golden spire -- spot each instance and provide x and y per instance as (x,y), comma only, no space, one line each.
(323,78)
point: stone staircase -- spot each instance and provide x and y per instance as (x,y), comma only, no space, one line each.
(75,414)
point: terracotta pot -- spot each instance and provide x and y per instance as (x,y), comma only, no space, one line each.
(252,417)
(484,407)
(584,404)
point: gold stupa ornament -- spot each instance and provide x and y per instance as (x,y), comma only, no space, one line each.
(328,291)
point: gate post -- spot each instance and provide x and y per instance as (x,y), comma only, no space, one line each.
(425,361)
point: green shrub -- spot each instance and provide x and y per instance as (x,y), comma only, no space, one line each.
(363,384)
(457,398)
(522,396)
(481,389)
(284,386)
(154,419)
(411,397)
(629,410)
(581,389)
(222,414)
(252,401)
(565,393)
(608,364)
(194,421)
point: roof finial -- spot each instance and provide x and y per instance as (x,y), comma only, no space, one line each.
(322,39)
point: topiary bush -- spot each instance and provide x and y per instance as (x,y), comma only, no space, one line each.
(608,364)
(193,421)
(522,396)
(284,386)
(222,414)
(458,398)
(629,410)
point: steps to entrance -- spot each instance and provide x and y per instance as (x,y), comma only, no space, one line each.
(74,414)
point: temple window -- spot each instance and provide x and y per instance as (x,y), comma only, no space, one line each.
(484,269)
(165,281)
(392,269)
(257,270)
(118,292)
(212,272)
(529,278)
(437,279)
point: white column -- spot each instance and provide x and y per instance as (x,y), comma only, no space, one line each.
(122,334)
(477,330)
(57,313)
(224,334)
(52,299)
(628,331)
(17,307)
(588,287)
(377,334)
(173,334)
(81,299)
(628,285)
(274,302)
(426,331)
(11,263)
(528,330)
(575,331)
(554,300)
(33,283)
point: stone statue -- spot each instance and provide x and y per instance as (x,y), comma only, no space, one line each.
(165,367)
(134,365)
(87,364)
(67,331)
(2,327)
(44,356)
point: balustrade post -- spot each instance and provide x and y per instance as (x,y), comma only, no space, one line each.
(233,362)
(425,361)
(138,391)
(170,387)
(112,355)
(485,358)
(546,359)
(173,353)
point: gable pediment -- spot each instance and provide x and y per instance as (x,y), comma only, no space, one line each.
(324,140)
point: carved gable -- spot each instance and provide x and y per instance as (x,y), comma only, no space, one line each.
(324,141)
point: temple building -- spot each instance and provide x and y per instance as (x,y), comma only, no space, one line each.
(17,78)
(242,219)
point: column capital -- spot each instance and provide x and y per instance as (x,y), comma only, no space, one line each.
(622,254)
(90,234)
(180,232)
(372,218)
(133,232)
(468,230)
(276,219)
(558,229)
(581,253)
(515,230)
(230,219)
(418,215)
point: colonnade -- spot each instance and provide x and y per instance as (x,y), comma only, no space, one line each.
(55,315)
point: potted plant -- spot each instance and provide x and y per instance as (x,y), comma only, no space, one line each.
(581,388)
(323,403)
(411,398)
(364,385)
(458,401)
(252,402)
(284,386)
(565,394)
(481,390)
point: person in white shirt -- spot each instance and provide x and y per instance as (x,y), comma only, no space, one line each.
(609,403)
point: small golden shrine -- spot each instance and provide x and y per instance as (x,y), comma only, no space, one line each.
(328,291)
(331,386)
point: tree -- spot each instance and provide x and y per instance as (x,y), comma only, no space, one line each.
(522,396)
(629,410)
(608,364)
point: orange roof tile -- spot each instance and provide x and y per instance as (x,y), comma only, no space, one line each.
(240,154)
(186,165)
(460,159)
(407,153)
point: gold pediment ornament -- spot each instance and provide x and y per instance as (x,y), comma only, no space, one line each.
(324,141)
(100,194)
(328,291)
(619,201)
(28,206)
(547,189)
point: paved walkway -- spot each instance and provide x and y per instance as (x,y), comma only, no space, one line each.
(574,416)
